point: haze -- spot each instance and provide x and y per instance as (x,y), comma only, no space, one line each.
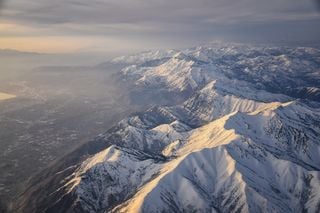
(111,26)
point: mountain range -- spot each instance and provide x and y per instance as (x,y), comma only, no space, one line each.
(232,128)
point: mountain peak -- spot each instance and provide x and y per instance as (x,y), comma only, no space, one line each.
(237,136)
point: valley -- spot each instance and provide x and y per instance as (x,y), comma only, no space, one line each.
(235,139)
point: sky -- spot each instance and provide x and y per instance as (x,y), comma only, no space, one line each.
(63,26)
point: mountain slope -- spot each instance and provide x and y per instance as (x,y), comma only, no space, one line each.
(239,142)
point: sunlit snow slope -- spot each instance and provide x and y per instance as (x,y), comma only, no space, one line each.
(245,139)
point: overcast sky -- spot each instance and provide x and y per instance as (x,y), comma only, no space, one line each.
(130,25)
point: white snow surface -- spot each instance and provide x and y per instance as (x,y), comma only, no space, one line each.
(232,146)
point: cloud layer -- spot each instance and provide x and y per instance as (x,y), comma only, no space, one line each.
(166,23)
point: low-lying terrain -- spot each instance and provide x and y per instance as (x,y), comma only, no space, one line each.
(48,111)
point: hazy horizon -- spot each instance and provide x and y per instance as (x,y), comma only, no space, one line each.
(115,27)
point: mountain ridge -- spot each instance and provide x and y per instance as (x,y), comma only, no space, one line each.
(239,142)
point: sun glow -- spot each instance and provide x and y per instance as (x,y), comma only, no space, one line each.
(5,96)
(44,44)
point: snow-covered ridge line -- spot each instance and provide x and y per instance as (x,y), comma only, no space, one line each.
(248,131)
(245,139)
(290,71)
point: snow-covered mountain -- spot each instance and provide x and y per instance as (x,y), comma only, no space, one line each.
(245,138)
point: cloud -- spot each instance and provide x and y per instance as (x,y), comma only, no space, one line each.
(137,11)
(1,6)
(317,3)
(174,22)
